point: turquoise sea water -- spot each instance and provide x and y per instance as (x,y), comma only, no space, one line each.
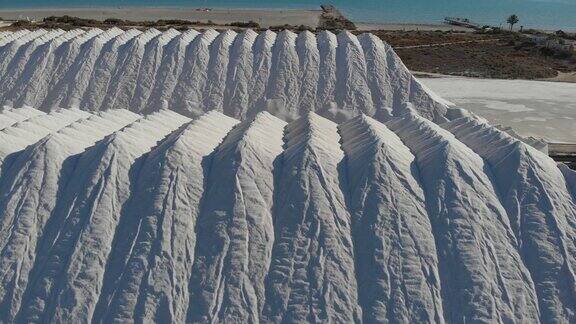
(549,14)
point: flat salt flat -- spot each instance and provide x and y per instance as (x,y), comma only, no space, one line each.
(532,108)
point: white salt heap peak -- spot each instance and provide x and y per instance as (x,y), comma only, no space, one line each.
(17,137)
(541,209)
(468,222)
(10,116)
(394,242)
(162,227)
(295,178)
(240,74)
(235,229)
(46,166)
(311,274)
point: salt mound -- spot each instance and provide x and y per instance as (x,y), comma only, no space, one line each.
(311,274)
(87,232)
(69,89)
(37,58)
(235,231)
(317,180)
(117,217)
(10,116)
(17,137)
(469,223)
(55,59)
(541,209)
(45,166)
(287,74)
(396,252)
(162,226)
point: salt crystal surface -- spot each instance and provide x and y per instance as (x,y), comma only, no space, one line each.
(317,180)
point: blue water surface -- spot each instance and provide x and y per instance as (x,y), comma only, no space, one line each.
(549,14)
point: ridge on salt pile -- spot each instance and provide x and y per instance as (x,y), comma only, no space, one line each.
(311,276)
(287,74)
(541,211)
(17,39)
(327,43)
(109,58)
(63,58)
(570,176)
(189,88)
(163,226)
(168,73)
(33,66)
(10,48)
(18,136)
(283,83)
(479,266)
(25,53)
(351,82)
(236,95)
(43,61)
(45,166)
(395,249)
(10,36)
(261,67)
(10,116)
(141,61)
(307,49)
(386,71)
(71,87)
(151,61)
(70,278)
(235,232)
(125,73)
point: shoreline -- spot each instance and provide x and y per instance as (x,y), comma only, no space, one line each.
(447,49)
(300,15)
(265,17)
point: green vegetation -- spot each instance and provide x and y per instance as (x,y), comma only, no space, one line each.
(512,20)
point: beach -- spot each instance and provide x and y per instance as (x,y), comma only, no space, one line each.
(264,17)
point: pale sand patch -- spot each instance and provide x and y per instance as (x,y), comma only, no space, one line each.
(532,108)
(565,77)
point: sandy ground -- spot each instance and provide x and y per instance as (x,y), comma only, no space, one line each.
(265,17)
(565,77)
(533,108)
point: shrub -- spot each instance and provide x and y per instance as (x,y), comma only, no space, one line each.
(251,24)
(113,21)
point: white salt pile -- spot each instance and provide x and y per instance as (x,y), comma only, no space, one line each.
(239,74)
(296,178)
